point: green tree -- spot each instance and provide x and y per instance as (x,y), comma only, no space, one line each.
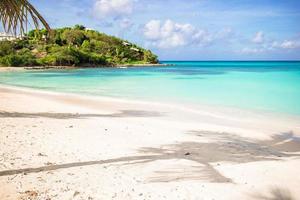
(61,56)
(6,48)
(86,46)
(79,27)
(22,58)
(149,57)
(73,37)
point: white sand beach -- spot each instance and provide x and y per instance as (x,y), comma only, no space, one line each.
(64,146)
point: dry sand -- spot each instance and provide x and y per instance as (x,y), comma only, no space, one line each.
(11,69)
(62,146)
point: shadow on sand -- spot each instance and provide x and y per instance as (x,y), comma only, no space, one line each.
(275,193)
(223,147)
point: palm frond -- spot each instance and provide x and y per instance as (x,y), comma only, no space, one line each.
(15,16)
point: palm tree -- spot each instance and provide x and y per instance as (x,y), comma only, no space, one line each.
(15,16)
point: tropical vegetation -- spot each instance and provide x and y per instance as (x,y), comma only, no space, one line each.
(77,46)
(15,16)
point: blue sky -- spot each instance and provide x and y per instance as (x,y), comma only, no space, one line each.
(190,29)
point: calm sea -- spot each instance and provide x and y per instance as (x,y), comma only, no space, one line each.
(264,86)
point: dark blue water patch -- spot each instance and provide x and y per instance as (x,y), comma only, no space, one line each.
(189,71)
(80,73)
(218,68)
(238,66)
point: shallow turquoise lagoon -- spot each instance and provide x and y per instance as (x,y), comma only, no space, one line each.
(264,86)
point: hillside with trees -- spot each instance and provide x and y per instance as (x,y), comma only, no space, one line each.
(75,46)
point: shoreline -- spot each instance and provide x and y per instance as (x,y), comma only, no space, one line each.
(191,107)
(223,115)
(79,144)
(5,69)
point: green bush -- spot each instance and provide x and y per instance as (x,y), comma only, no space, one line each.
(11,60)
(47,61)
(6,48)
(20,58)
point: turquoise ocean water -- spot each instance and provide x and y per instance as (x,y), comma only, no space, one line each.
(264,86)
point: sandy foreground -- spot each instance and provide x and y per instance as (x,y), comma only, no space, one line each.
(62,146)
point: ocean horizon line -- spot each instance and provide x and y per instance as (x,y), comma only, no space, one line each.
(229,60)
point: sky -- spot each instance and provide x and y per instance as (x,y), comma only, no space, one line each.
(190,29)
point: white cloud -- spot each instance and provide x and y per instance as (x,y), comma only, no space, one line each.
(152,30)
(170,34)
(259,37)
(113,8)
(286,44)
(272,46)
(289,44)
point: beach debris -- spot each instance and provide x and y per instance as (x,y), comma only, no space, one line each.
(76,193)
(71,126)
(30,195)
(12,178)
(49,163)
(41,179)
(19,187)
(187,154)
(40,154)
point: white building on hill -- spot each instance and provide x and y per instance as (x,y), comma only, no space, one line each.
(5,36)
